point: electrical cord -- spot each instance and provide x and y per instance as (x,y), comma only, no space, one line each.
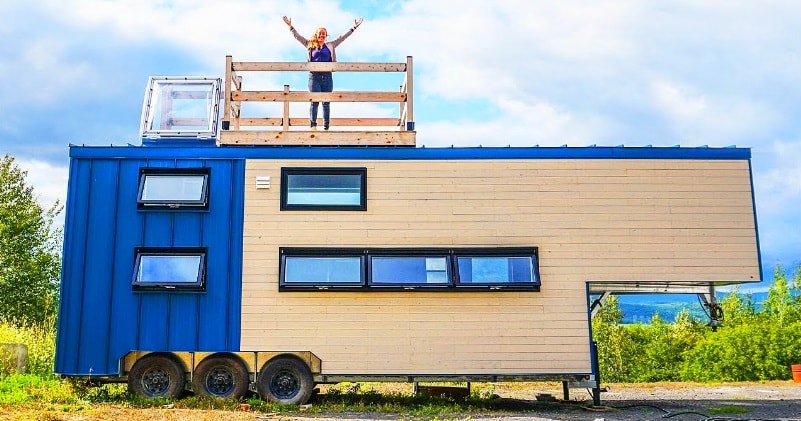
(713,311)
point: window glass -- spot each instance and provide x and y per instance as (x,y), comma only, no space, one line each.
(180,108)
(496,270)
(169,268)
(173,188)
(397,270)
(322,270)
(323,188)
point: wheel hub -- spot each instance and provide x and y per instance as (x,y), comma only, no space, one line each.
(156,382)
(220,381)
(284,385)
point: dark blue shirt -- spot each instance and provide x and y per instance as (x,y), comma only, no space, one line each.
(321,55)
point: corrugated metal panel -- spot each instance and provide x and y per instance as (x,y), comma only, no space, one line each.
(101,317)
(74,250)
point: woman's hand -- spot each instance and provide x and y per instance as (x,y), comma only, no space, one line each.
(357,22)
(288,21)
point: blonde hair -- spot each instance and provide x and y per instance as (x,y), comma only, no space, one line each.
(313,43)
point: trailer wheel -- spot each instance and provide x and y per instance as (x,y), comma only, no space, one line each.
(221,376)
(155,376)
(285,380)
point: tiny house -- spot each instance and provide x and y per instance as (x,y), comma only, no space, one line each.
(228,253)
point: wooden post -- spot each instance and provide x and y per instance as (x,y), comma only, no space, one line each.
(15,355)
(238,104)
(401,121)
(286,107)
(409,90)
(226,120)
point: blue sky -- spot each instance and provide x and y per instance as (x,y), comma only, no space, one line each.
(506,72)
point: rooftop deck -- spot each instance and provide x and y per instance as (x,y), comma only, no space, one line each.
(284,129)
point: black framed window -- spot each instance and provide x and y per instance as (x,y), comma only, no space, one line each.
(169,268)
(506,268)
(324,189)
(410,270)
(321,268)
(173,188)
(496,270)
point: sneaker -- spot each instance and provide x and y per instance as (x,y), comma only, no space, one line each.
(325,127)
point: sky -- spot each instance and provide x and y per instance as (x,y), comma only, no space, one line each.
(491,73)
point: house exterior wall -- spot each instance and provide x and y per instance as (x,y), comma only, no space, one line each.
(671,214)
(592,219)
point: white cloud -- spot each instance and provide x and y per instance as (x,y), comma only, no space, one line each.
(49,183)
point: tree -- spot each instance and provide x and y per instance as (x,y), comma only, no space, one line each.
(30,263)
(779,301)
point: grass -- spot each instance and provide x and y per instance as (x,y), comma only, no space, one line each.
(728,409)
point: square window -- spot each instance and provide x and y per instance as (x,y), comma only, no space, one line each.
(173,188)
(324,189)
(170,268)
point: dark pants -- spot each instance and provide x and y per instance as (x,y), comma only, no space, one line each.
(320,82)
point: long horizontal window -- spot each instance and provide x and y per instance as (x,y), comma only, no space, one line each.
(508,268)
(173,188)
(169,268)
(324,189)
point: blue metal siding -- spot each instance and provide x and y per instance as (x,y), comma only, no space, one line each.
(124,307)
(73,251)
(101,318)
(100,233)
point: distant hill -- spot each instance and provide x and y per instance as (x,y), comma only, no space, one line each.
(641,308)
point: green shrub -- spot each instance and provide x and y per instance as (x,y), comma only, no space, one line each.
(41,342)
(761,350)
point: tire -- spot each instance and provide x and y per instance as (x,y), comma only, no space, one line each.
(221,376)
(285,380)
(156,376)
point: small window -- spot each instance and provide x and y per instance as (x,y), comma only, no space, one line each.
(321,269)
(170,268)
(324,189)
(409,271)
(497,270)
(173,188)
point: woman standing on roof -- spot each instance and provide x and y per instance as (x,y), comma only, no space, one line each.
(321,51)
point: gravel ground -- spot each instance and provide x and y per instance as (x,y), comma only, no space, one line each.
(746,401)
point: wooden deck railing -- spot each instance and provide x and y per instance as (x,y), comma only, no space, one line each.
(238,129)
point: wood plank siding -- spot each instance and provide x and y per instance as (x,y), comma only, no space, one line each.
(592,219)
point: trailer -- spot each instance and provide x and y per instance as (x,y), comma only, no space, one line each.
(228,253)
